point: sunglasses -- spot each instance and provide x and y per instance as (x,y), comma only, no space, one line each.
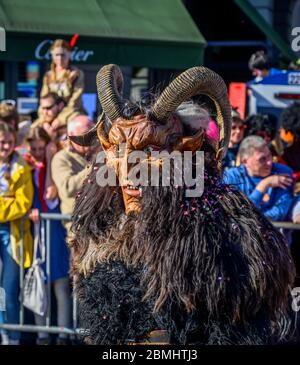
(48,107)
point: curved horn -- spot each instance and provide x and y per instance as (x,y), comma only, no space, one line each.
(87,138)
(198,80)
(110,88)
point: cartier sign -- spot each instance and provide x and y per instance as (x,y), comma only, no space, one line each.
(42,52)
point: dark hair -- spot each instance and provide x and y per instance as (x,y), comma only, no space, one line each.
(237,119)
(261,123)
(57,99)
(290,119)
(259,60)
(36,134)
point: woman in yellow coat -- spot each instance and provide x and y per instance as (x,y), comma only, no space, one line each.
(65,80)
(16,194)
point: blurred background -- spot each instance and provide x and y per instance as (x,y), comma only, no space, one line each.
(152,42)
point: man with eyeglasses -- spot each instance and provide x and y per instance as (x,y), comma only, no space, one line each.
(50,107)
(268,185)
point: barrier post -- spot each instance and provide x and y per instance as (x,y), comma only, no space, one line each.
(48,243)
(21,312)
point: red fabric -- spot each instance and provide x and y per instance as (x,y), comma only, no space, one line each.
(237,96)
(296,176)
(40,167)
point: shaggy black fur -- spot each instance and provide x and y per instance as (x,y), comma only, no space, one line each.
(209,270)
(111,307)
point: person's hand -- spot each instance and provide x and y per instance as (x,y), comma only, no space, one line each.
(34,215)
(51,192)
(50,130)
(51,150)
(296,219)
(55,124)
(47,127)
(279,181)
(275,181)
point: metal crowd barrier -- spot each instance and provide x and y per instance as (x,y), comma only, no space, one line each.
(287,225)
(45,218)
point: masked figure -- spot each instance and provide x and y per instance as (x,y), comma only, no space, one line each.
(153,264)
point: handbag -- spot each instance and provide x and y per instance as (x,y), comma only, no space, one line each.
(34,289)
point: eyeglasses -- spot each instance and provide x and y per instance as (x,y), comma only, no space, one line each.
(8,102)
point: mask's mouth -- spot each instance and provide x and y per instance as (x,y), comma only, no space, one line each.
(133,191)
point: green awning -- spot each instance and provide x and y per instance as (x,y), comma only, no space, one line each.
(267,29)
(149,33)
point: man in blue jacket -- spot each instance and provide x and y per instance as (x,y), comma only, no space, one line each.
(268,185)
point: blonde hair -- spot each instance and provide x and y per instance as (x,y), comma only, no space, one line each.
(7,128)
(38,133)
(9,113)
(65,45)
(61,43)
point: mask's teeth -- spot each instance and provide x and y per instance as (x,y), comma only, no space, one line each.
(131,187)
(140,190)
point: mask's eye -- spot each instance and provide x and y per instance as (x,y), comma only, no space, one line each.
(149,149)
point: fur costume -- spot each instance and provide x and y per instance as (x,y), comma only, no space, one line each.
(205,270)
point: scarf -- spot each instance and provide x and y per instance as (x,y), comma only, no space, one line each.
(40,168)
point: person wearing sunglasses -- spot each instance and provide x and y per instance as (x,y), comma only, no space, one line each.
(236,136)
(64,79)
(50,108)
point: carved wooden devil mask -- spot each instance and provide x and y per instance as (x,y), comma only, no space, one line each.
(158,129)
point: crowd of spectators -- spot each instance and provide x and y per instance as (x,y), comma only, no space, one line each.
(41,171)
(263,162)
